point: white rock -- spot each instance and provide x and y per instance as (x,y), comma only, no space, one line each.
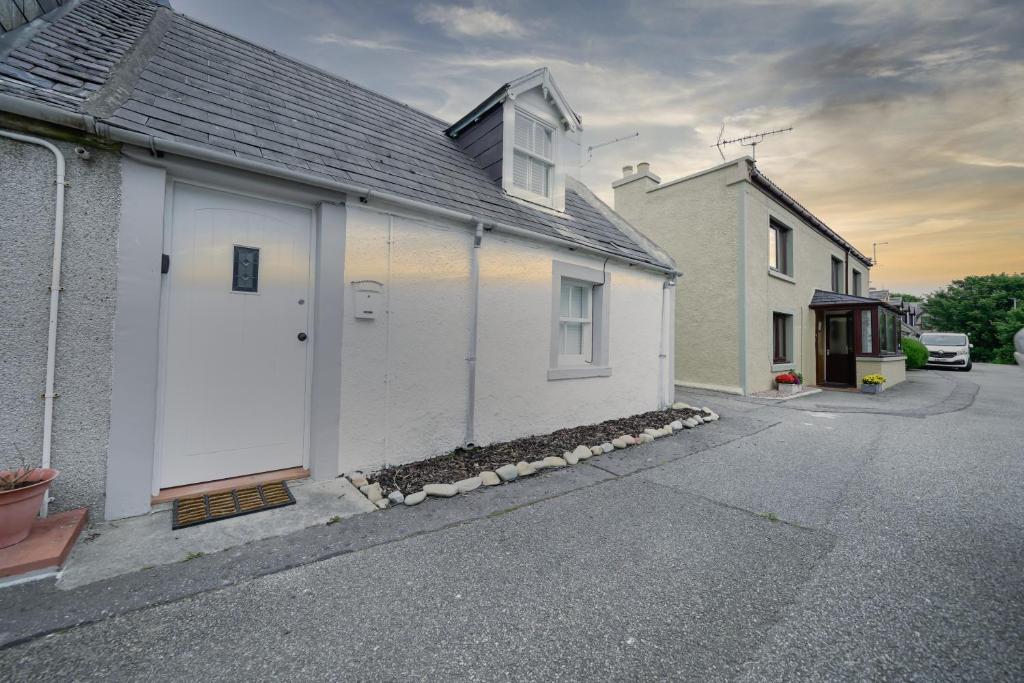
(440,490)
(713,418)
(651,430)
(525,469)
(677,425)
(507,472)
(607,447)
(646,438)
(358,479)
(383,503)
(570,458)
(598,450)
(415,498)
(698,419)
(554,461)
(396,497)
(489,478)
(372,492)
(582,452)
(679,405)
(540,465)
(467,485)
(630,440)
(690,423)
(620,442)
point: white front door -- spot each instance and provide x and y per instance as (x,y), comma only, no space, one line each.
(234,373)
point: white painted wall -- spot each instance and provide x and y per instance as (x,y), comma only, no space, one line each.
(404,378)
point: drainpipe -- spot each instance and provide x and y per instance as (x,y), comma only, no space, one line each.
(474,277)
(846,271)
(663,398)
(51,336)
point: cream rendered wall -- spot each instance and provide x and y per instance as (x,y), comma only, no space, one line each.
(404,384)
(766,293)
(697,223)
(893,368)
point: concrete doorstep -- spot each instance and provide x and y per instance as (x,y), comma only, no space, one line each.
(129,545)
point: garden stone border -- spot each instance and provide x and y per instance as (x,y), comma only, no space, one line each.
(509,473)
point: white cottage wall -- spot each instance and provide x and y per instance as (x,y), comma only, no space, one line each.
(404,385)
(514,395)
(404,393)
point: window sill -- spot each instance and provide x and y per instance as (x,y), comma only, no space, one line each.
(780,367)
(578,373)
(782,276)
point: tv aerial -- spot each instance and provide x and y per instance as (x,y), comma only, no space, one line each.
(590,150)
(751,141)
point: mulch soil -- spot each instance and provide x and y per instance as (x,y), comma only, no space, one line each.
(462,464)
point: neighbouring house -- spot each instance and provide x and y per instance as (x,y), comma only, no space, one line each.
(911,312)
(266,267)
(769,287)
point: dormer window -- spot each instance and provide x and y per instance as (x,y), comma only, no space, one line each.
(525,138)
(533,161)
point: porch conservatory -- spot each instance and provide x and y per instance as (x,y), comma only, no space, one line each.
(856,336)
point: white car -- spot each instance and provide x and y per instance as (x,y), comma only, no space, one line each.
(948,350)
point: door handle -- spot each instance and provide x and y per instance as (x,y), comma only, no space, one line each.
(302,336)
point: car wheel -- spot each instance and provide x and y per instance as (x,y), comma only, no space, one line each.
(968,367)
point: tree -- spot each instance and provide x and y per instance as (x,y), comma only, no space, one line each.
(977,305)
(1006,329)
(912,298)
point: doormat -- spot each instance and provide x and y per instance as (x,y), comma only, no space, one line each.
(213,507)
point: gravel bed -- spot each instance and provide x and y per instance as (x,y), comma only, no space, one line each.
(462,464)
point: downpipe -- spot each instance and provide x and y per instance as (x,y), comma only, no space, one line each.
(55,288)
(474,277)
(665,383)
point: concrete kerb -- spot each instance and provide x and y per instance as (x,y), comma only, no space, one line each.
(954,395)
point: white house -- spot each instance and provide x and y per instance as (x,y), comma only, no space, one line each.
(265,267)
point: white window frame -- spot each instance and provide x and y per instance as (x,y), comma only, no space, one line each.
(525,106)
(534,155)
(586,323)
(593,362)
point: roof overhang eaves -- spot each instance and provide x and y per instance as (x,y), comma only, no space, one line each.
(762,182)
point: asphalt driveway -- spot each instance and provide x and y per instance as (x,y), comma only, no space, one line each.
(831,537)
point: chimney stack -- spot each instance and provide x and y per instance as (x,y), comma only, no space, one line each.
(643,167)
(627,171)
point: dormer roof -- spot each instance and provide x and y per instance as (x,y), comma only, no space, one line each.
(541,77)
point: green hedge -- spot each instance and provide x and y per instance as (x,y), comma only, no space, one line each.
(916,353)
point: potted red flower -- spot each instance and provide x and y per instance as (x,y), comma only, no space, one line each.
(21,496)
(789,383)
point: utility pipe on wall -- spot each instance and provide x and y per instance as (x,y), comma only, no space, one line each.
(474,279)
(666,382)
(51,336)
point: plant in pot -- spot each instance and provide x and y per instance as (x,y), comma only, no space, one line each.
(789,383)
(873,384)
(21,495)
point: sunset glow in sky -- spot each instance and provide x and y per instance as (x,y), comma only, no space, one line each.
(908,116)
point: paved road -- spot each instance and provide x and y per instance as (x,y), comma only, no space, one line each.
(804,540)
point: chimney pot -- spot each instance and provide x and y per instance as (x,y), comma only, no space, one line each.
(627,171)
(643,167)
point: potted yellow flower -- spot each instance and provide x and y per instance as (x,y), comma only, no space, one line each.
(873,384)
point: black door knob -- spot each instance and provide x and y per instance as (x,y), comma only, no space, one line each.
(302,336)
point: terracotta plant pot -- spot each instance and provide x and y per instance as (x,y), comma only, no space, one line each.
(18,508)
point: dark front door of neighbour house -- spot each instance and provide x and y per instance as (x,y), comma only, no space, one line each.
(839,354)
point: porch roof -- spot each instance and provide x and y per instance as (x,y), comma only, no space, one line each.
(826,299)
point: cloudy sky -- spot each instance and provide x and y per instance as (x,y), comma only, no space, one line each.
(908,115)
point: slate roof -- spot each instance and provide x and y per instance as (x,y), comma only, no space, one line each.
(209,88)
(823,298)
